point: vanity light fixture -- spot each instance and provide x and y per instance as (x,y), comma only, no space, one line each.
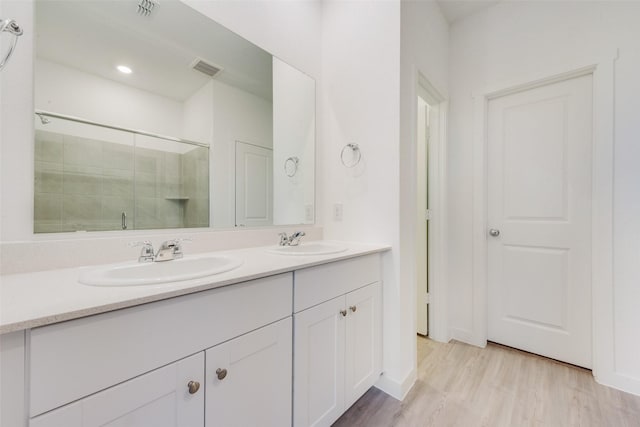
(124,69)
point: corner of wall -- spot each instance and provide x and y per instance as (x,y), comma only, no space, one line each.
(398,389)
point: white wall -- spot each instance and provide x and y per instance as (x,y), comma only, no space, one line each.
(509,43)
(368,98)
(294,131)
(65,90)
(237,116)
(16,141)
(197,114)
(360,104)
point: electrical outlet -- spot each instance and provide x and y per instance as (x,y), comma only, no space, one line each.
(337,212)
(308,213)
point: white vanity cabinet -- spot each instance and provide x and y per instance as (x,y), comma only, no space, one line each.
(171,396)
(248,379)
(337,338)
(138,362)
(305,343)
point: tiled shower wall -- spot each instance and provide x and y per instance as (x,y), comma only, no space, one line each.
(85,184)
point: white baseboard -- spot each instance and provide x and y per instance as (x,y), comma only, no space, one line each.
(467,337)
(397,390)
(620,382)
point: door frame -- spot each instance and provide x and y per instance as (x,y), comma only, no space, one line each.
(603,73)
(436,182)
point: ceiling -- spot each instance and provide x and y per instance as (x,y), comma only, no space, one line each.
(95,36)
(455,10)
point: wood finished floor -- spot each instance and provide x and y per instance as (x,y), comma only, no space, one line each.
(466,386)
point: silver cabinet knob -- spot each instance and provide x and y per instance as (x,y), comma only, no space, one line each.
(194,386)
(494,232)
(343,312)
(353,308)
(221,373)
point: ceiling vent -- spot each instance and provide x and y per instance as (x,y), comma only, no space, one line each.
(146,6)
(205,67)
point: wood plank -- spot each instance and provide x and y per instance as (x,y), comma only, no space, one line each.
(462,385)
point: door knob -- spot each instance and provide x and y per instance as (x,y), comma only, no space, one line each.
(194,386)
(494,232)
(353,308)
(221,373)
(343,312)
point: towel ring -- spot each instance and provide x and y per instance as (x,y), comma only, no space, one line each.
(9,26)
(356,155)
(291,166)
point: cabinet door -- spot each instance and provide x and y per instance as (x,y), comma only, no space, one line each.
(363,355)
(160,398)
(318,373)
(248,379)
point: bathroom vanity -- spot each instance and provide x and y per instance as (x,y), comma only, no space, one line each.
(226,350)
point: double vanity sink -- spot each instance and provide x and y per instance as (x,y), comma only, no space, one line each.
(291,331)
(187,268)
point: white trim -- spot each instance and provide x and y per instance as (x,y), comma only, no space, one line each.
(602,220)
(395,389)
(437,250)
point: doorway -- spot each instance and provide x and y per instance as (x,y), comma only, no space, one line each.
(430,157)
(422,230)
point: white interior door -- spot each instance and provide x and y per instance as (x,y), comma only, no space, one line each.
(422,229)
(254,185)
(539,201)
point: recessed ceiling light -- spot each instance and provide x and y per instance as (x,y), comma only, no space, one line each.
(124,69)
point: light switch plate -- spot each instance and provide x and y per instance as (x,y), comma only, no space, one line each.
(308,213)
(337,212)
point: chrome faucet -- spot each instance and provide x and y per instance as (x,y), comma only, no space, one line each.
(293,240)
(170,249)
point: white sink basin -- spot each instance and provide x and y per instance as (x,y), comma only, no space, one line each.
(151,273)
(308,249)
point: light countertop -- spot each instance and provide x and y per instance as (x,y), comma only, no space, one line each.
(29,300)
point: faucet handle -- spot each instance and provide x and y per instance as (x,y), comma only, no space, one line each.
(139,243)
(177,246)
(294,239)
(146,253)
(284,240)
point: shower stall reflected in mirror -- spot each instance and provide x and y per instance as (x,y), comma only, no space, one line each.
(94,177)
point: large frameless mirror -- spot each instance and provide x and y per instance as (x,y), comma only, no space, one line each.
(158,117)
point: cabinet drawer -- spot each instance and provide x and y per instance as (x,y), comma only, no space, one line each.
(318,284)
(73,359)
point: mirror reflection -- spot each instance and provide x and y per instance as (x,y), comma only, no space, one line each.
(142,123)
